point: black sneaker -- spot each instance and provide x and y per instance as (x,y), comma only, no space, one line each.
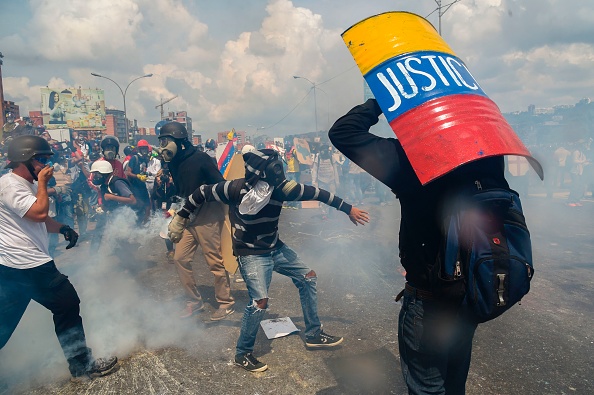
(250,363)
(100,367)
(323,340)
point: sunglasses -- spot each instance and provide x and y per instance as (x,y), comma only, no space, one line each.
(42,159)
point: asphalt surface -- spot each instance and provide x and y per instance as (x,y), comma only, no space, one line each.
(543,346)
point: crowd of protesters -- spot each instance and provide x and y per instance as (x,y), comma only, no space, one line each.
(87,180)
(76,201)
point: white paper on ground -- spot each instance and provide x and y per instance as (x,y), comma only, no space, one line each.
(278,327)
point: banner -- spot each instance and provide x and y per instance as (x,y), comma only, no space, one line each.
(73,108)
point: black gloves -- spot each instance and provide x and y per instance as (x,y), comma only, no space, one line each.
(69,235)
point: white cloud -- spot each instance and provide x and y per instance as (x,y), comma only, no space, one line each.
(233,66)
(291,41)
(73,29)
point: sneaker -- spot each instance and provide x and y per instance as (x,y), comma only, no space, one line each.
(323,340)
(250,363)
(221,313)
(191,309)
(169,256)
(100,367)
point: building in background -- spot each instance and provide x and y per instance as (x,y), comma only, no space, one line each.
(36,118)
(115,124)
(183,118)
(11,111)
(223,137)
(197,138)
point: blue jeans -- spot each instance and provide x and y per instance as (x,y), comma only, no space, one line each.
(435,346)
(256,271)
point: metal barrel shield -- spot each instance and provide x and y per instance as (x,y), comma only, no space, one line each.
(438,111)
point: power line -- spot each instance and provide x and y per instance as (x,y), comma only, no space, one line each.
(307,94)
(293,109)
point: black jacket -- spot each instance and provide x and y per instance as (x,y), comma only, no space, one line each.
(421,206)
(190,170)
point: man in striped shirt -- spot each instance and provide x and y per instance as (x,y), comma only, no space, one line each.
(255,207)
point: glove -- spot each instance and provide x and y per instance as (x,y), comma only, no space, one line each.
(141,177)
(176,228)
(69,235)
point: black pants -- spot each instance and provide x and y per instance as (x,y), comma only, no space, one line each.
(51,289)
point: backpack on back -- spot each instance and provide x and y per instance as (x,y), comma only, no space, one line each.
(485,260)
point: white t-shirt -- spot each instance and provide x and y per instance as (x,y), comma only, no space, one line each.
(23,243)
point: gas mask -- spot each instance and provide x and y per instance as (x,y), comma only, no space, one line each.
(143,151)
(167,148)
(97,179)
(109,153)
(274,173)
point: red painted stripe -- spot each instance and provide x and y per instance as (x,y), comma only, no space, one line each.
(446,132)
(225,154)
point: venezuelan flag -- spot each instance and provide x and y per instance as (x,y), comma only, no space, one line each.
(225,158)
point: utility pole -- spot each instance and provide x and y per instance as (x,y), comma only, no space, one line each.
(313,87)
(2,115)
(440,12)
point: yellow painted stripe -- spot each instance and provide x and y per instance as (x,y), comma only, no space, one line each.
(384,36)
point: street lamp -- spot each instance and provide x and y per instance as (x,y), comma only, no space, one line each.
(256,128)
(313,86)
(327,105)
(124,91)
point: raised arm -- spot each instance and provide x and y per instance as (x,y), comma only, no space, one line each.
(380,157)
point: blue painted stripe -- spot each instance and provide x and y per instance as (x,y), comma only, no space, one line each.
(407,81)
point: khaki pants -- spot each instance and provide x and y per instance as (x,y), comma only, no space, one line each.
(209,238)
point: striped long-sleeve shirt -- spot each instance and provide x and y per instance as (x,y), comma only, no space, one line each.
(258,234)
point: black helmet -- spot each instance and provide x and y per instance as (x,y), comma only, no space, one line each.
(110,140)
(210,144)
(128,150)
(175,130)
(25,147)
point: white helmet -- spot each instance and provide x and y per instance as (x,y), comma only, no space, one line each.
(102,166)
(247,148)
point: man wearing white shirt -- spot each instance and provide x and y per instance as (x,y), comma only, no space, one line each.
(27,271)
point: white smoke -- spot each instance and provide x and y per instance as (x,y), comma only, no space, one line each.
(120,313)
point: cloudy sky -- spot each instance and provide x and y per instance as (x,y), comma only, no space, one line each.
(231,63)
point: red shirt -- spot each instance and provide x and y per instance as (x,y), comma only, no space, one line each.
(118,168)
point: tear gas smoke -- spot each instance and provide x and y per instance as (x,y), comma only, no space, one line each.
(120,314)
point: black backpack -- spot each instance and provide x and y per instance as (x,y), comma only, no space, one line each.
(485,259)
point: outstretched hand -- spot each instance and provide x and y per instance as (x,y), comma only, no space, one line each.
(358,216)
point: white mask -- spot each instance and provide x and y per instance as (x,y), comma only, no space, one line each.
(255,200)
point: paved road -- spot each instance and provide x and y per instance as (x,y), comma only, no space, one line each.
(543,346)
